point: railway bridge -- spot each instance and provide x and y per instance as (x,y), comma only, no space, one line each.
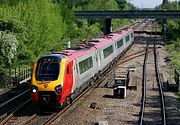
(107,16)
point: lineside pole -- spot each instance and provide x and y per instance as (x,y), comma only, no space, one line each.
(107,26)
(164,29)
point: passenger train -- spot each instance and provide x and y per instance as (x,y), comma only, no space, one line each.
(59,77)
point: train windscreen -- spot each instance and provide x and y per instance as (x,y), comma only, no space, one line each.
(48,69)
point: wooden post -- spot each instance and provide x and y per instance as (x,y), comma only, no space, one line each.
(19,74)
(176,77)
(24,74)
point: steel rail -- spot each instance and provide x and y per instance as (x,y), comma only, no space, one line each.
(95,85)
(163,111)
(164,122)
(143,87)
(29,119)
(54,116)
(15,110)
(141,122)
(14,98)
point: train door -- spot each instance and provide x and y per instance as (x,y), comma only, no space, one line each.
(124,42)
(115,49)
(98,58)
(75,76)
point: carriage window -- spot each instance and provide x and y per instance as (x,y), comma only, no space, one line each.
(108,51)
(127,38)
(85,65)
(120,43)
(47,69)
(132,35)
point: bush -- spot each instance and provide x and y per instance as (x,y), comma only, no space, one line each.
(8,48)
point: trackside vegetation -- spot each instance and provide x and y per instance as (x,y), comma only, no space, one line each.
(173,33)
(32,28)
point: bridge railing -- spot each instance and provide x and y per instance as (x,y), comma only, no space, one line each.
(176,76)
(20,75)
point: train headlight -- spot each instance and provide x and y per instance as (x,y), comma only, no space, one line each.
(34,89)
(58,88)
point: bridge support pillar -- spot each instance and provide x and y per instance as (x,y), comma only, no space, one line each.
(107,26)
(164,29)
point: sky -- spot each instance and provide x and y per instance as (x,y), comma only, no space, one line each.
(146,3)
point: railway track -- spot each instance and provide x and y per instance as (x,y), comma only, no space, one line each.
(8,117)
(139,53)
(48,118)
(152,94)
(11,105)
(98,82)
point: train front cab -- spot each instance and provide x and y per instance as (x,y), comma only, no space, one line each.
(51,81)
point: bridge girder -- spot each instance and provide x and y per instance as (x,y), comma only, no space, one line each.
(108,15)
(159,14)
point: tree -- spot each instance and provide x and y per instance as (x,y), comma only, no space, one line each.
(8,48)
(121,4)
(165,1)
(131,6)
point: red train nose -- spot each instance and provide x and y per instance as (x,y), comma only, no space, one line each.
(45,99)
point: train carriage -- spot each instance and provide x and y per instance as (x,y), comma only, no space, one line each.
(66,74)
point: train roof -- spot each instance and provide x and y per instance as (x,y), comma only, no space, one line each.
(86,47)
(57,56)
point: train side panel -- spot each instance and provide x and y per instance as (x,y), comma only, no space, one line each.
(107,55)
(85,68)
(80,66)
(128,39)
(68,82)
(119,46)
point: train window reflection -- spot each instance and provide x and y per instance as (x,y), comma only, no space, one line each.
(85,65)
(47,69)
(108,51)
(127,38)
(120,43)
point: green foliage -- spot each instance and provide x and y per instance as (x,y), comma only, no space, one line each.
(174,52)
(168,5)
(8,48)
(121,4)
(97,5)
(42,26)
(33,28)
(131,6)
(38,25)
(165,2)
(173,26)
(177,45)
(116,23)
(173,29)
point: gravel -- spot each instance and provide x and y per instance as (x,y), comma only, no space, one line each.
(99,106)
